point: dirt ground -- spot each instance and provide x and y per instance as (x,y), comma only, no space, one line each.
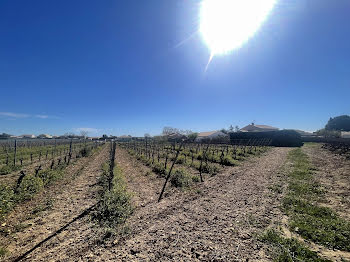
(217,221)
(68,198)
(333,173)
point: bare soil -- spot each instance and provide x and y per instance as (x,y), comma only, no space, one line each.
(217,221)
(333,173)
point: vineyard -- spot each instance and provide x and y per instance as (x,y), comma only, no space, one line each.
(192,160)
(66,199)
(28,166)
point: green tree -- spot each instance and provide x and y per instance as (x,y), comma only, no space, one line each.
(339,123)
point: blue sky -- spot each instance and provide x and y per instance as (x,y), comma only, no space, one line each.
(115,67)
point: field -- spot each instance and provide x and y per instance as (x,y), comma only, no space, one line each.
(144,200)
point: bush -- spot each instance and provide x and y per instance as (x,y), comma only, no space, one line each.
(85,152)
(8,169)
(115,204)
(180,160)
(49,176)
(228,161)
(158,168)
(6,200)
(181,178)
(29,186)
(210,169)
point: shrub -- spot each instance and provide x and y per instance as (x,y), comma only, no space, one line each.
(181,178)
(85,152)
(210,169)
(29,186)
(158,168)
(49,176)
(228,161)
(180,160)
(115,204)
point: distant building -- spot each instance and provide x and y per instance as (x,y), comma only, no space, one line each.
(124,137)
(258,128)
(28,136)
(345,134)
(93,138)
(212,135)
(45,136)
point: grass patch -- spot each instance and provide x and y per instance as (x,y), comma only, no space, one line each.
(285,250)
(3,252)
(29,186)
(115,204)
(311,221)
(8,169)
(7,200)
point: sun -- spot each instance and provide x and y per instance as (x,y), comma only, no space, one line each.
(226,25)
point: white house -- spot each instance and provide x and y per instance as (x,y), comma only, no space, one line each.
(258,128)
(210,135)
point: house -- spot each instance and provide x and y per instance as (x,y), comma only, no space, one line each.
(213,135)
(258,128)
(345,134)
(44,136)
(28,136)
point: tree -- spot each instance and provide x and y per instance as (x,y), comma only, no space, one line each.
(230,128)
(224,131)
(339,123)
(237,128)
(4,136)
(192,137)
(147,135)
(84,133)
(170,130)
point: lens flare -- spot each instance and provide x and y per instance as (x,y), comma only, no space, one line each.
(226,25)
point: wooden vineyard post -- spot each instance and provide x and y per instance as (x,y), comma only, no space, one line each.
(15,154)
(169,174)
(166,159)
(70,151)
(111,167)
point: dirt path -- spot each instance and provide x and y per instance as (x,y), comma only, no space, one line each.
(216,223)
(68,202)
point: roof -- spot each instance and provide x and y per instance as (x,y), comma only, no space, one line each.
(125,136)
(204,134)
(266,127)
(253,127)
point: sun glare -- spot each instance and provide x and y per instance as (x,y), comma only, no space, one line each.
(227,24)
